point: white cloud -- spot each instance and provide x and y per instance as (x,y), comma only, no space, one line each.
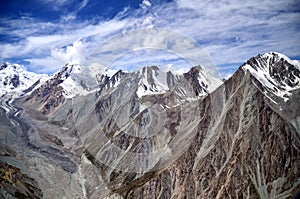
(138,58)
(83,4)
(44,65)
(145,4)
(230,31)
(60,48)
(56,4)
(154,39)
(74,54)
(227,75)
(69,17)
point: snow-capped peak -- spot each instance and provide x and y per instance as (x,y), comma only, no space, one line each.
(14,79)
(152,81)
(204,78)
(276,72)
(69,69)
(155,81)
(76,79)
(96,68)
(282,56)
(202,82)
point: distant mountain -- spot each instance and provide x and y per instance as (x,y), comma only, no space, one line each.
(75,80)
(14,79)
(159,134)
(155,81)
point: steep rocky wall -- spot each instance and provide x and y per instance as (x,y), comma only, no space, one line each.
(243,149)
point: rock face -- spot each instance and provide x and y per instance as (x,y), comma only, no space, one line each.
(242,149)
(15,184)
(155,134)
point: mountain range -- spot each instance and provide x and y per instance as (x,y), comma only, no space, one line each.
(93,132)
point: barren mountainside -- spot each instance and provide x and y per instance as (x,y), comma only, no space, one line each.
(156,134)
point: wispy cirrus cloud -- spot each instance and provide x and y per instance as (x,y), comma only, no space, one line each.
(56,4)
(60,4)
(230,31)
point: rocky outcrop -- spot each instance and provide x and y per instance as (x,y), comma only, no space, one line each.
(15,184)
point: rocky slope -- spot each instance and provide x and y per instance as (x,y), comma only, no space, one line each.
(70,81)
(156,134)
(243,148)
(16,184)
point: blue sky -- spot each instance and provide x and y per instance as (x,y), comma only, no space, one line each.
(45,34)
